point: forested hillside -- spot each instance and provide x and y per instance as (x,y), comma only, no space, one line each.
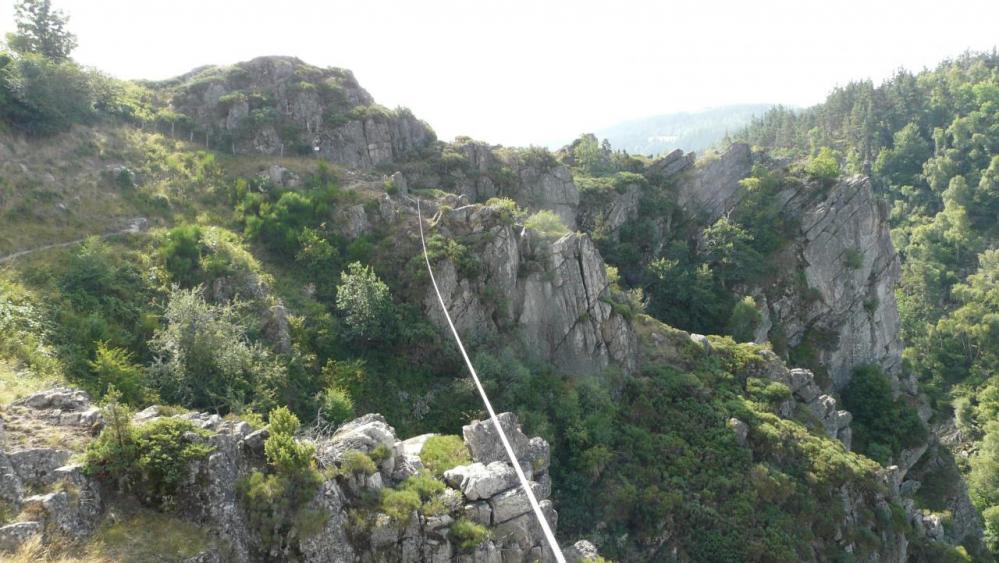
(217,331)
(930,142)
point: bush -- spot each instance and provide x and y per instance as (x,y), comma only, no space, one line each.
(182,254)
(824,166)
(508,208)
(467,534)
(42,97)
(151,459)
(335,406)
(882,426)
(853,258)
(441,453)
(547,224)
(288,456)
(744,320)
(355,462)
(400,504)
(278,503)
(205,361)
(114,367)
(364,301)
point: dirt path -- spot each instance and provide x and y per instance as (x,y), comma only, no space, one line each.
(137,225)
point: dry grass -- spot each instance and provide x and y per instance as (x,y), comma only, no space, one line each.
(129,534)
(17,382)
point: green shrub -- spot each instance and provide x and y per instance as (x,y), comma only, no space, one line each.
(441,453)
(165,452)
(354,462)
(508,208)
(151,459)
(468,535)
(399,504)
(547,224)
(114,367)
(882,426)
(424,485)
(744,320)
(182,254)
(277,503)
(336,406)
(364,301)
(824,166)
(287,455)
(380,453)
(205,360)
(853,258)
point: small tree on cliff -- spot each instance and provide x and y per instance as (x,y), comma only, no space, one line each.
(41,30)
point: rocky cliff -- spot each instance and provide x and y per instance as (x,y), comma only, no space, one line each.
(553,296)
(280,105)
(847,269)
(70,504)
(834,289)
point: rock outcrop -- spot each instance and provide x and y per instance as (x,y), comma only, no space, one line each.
(71,504)
(838,290)
(844,258)
(552,294)
(54,498)
(280,105)
(711,188)
(533,180)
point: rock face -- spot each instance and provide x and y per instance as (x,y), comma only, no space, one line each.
(534,181)
(847,261)
(485,491)
(838,293)
(71,503)
(280,105)
(555,294)
(712,188)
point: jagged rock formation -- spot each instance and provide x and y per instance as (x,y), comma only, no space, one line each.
(280,105)
(485,491)
(553,294)
(842,268)
(712,188)
(532,179)
(71,503)
(850,269)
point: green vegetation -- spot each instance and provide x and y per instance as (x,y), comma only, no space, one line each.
(928,141)
(547,224)
(467,534)
(441,453)
(278,500)
(247,297)
(357,462)
(152,459)
(365,304)
(882,426)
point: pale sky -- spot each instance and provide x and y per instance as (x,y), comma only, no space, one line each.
(528,72)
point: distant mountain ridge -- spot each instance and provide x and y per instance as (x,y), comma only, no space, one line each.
(690,131)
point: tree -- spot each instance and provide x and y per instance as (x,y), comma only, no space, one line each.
(824,166)
(205,361)
(365,303)
(41,30)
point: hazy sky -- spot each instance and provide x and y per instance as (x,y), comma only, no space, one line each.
(522,72)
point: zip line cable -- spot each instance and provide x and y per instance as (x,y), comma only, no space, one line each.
(552,542)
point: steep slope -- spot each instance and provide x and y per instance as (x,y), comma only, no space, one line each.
(272,285)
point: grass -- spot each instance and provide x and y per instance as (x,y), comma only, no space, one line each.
(147,536)
(16,382)
(441,453)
